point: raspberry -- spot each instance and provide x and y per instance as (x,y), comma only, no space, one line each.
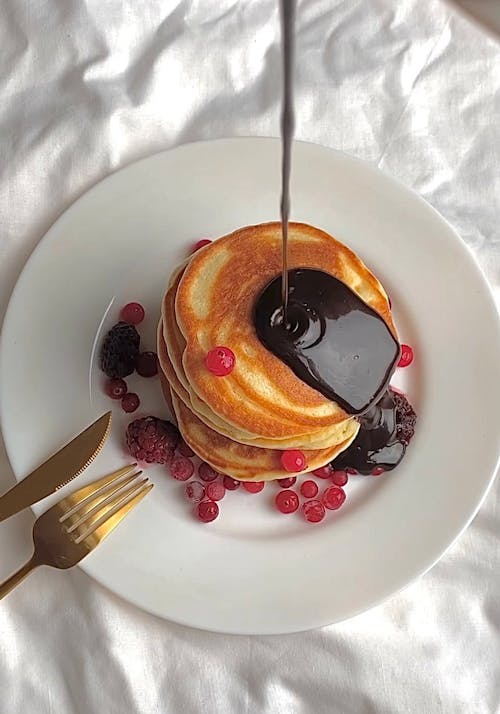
(340,478)
(181,468)
(133,313)
(208,511)
(206,472)
(201,244)
(220,361)
(323,472)
(286,501)
(146,364)
(215,491)
(115,388)
(309,489)
(405,417)
(333,497)
(253,486)
(119,350)
(406,357)
(152,440)
(293,460)
(287,482)
(231,483)
(195,491)
(130,402)
(185,449)
(313,511)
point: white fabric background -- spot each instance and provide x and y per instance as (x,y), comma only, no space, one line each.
(88,86)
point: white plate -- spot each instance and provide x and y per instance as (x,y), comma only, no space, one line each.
(254,570)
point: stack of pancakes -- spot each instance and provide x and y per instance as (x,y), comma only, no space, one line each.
(241,423)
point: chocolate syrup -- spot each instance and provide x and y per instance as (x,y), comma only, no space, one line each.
(384,432)
(287,8)
(331,339)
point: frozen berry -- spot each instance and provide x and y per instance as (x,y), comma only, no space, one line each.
(185,449)
(231,483)
(206,472)
(405,417)
(378,471)
(323,472)
(181,468)
(333,497)
(220,361)
(339,478)
(286,501)
(406,357)
(208,511)
(309,489)
(152,440)
(119,350)
(314,511)
(293,460)
(133,313)
(195,491)
(130,402)
(287,482)
(215,491)
(146,364)
(201,244)
(253,486)
(115,388)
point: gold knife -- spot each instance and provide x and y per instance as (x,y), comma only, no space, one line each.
(57,471)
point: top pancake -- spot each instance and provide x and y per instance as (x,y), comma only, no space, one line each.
(214,306)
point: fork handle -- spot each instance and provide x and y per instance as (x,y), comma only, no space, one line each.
(16,578)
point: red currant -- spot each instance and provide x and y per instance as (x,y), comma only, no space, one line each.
(130,402)
(215,491)
(293,460)
(220,361)
(181,468)
(406,357)
(231,483)
(378,471)
(133,313)
(115,388)
(206,472)
(207,511)
(253,486)
(287,482)
(314,511)
(323,472)
(309,489)
(146,364)
(287,501)
(340,478)
(333,497)
(195,491)
(201,244)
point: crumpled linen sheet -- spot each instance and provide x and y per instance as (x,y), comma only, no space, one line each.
(86,87)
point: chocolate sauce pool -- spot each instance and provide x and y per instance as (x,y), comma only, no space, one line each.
(331,339)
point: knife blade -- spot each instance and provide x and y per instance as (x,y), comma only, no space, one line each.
(58,470)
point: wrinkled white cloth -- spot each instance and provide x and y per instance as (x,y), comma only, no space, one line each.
(88,86)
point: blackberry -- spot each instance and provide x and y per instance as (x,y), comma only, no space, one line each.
(405,418)
(120,350)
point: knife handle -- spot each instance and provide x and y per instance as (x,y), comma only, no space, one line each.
(16,578)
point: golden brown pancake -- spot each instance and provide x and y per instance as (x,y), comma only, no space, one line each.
(214,302)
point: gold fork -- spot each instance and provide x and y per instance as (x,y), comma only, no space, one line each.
(68,531)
